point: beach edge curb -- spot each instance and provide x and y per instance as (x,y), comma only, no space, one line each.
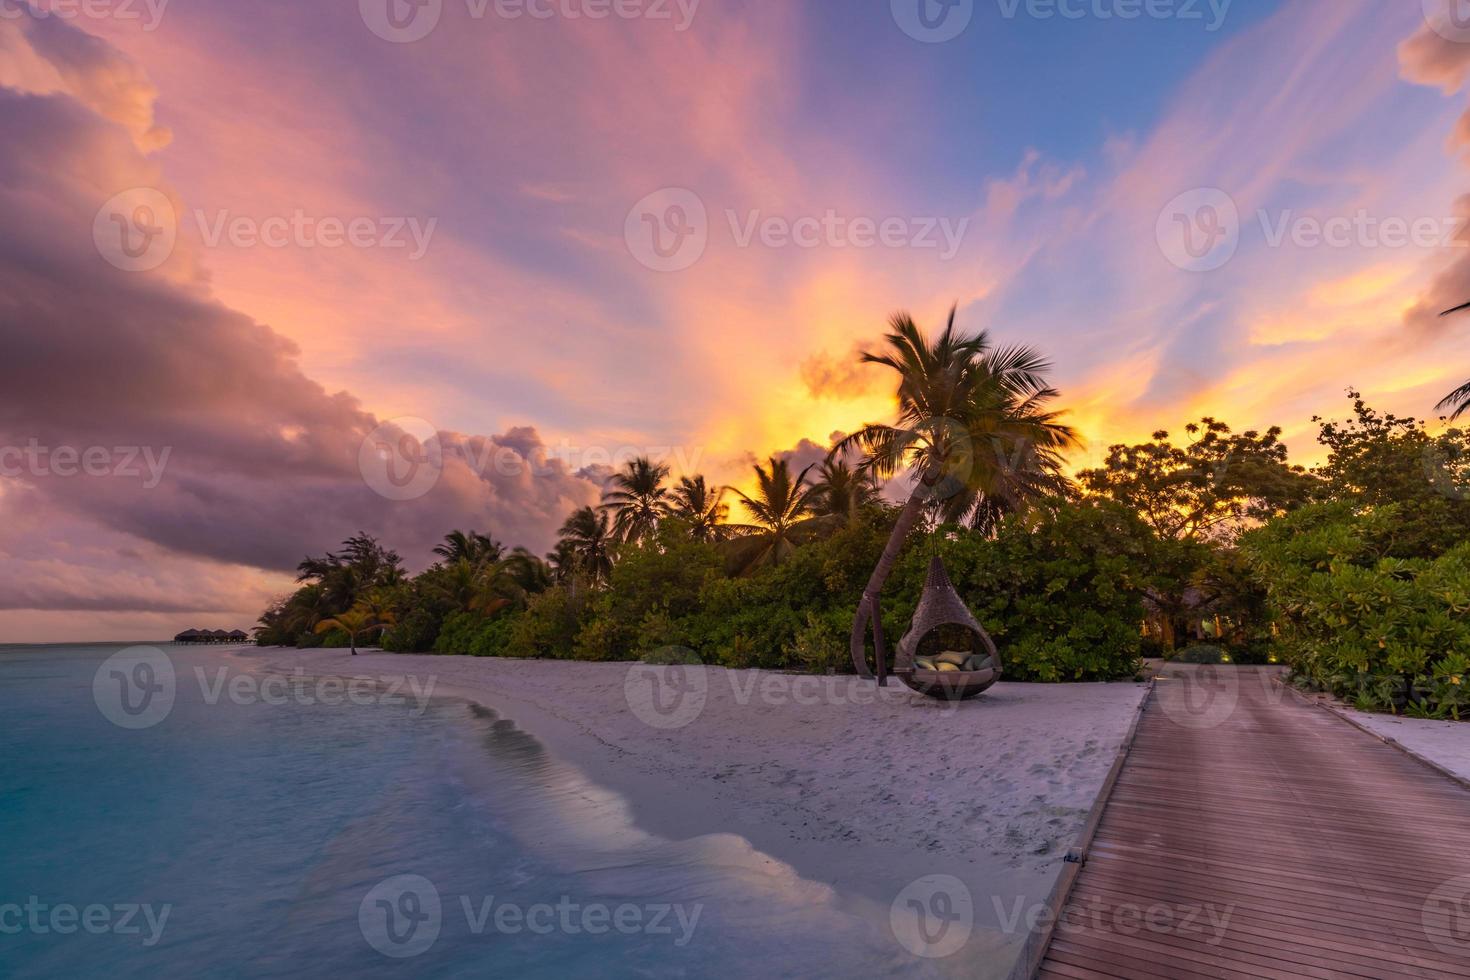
(1033,952)
(1342,715)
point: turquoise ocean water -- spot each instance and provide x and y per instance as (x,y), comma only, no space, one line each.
(269,834)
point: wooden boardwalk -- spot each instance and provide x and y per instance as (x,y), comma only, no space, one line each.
(1252,835)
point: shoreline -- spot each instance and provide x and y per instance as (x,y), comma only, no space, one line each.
(866,798)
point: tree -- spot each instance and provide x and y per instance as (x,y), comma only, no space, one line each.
(701,507)
(781,510)
(637,499)
(586,546)
(362,564)
(841,491)
(972,429)
(354,622)
(1459,399)
(509,582)
(1378,459)
(1196,497)
(1216,485)
(471,546)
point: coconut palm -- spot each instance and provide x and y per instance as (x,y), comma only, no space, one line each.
(841,491)
(701,507)
(1459,399)
(355,622)
(586,546)
(637,499)
(471,546)
(509,582)
(971,428)
(781,512)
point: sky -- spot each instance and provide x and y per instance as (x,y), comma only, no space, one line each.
(274,273)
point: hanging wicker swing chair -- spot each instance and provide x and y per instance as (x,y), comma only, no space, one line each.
(946,653)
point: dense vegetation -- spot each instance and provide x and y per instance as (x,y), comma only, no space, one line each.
(1355,573)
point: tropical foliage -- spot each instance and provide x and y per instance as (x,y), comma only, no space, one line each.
(1215,548)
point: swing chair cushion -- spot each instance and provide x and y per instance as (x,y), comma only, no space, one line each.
(946,652)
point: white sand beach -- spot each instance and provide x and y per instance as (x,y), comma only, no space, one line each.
(850,788)
(1445,743)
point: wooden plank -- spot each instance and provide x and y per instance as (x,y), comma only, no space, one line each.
(1321,842)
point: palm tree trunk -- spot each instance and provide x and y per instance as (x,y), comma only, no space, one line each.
(868,611)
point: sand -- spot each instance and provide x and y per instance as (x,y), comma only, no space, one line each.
(1445,743)
(862,790)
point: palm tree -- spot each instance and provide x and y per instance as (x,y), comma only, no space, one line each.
(1459,399)
(354,622)
(782,513)
(472,546)
(509,582)
(587,543)
(702,508)
(637,499)
(972,429)
(841,491)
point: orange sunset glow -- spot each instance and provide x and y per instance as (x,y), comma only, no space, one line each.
(364,228)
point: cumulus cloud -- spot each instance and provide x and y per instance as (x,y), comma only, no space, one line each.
(259,463)
(1429,58)
(44,55)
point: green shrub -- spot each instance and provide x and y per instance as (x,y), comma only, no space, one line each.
(417,633)
(1354,620)
(548,627)
(1203,653)
(1061,592)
